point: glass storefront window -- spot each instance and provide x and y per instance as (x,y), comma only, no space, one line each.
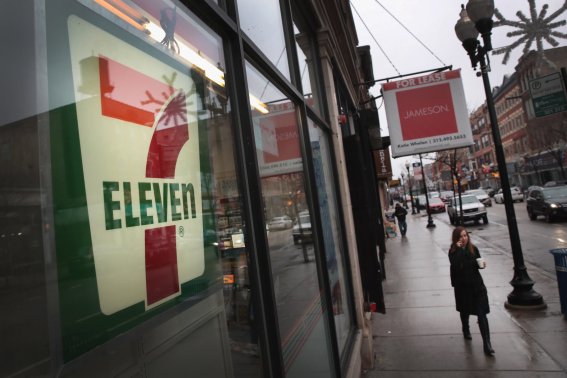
(306,61)
(125,192)
(261,20)
(334,250)
(122,248)
(300,306)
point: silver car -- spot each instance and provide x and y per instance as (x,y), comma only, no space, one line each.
(473,210)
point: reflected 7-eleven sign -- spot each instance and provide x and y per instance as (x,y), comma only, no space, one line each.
(139,143)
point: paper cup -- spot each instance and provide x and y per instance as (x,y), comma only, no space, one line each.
(481,263)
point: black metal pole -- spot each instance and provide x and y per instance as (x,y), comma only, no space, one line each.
(523,295)
(410,192)
(405,202)
(430,223)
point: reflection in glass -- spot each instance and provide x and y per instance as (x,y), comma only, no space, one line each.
(334,251)
(306,66)
(261,20)
(300,306)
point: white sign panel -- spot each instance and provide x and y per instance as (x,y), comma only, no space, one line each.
(427,113)
(548,95)
(139,141)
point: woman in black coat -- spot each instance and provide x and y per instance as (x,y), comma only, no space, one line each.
(470,293)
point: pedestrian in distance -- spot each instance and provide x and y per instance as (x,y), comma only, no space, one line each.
(400,214)
(471,296)
(417,204)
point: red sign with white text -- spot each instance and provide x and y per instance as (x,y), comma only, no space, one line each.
(433,105)
(279,142)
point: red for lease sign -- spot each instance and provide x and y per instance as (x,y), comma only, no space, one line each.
(427,113)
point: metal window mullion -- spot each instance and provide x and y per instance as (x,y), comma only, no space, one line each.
(251,192)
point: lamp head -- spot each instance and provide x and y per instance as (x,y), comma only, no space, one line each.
(465,28)
(480,9)
(480,12)
(467,34)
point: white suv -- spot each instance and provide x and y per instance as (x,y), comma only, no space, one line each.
(516,195)
(473,210)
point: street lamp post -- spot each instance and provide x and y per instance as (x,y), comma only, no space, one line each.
(475,19)
(405,202)
(430,223)
(410,190)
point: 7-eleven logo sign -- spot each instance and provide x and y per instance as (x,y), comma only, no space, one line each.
(140,154)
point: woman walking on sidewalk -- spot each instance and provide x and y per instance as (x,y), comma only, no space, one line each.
(470,293)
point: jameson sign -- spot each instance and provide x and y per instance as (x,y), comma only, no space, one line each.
(427,113)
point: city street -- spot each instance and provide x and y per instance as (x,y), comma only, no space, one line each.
(537,237)
(420,333)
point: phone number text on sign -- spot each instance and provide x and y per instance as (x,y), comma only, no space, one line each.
(447,138)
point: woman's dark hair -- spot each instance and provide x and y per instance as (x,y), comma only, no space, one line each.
(457,235)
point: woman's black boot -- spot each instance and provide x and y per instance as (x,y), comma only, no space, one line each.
(465,323)
(485,332)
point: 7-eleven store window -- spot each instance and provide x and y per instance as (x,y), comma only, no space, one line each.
(147,224)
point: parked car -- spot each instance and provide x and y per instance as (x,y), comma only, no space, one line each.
(302,232)
(280,223)
(516,192)
(481,195)
(436,205)
(473,210)
(551,202)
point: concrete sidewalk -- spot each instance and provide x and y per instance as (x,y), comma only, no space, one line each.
(420,334)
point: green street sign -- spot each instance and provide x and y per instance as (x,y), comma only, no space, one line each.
(548,95)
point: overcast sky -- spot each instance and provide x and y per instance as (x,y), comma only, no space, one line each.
(433,22)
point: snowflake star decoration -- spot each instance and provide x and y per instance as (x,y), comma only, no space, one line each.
(537,28)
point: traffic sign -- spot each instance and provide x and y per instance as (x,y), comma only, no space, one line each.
(548,95)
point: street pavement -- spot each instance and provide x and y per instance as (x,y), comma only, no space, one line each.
(420,334)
